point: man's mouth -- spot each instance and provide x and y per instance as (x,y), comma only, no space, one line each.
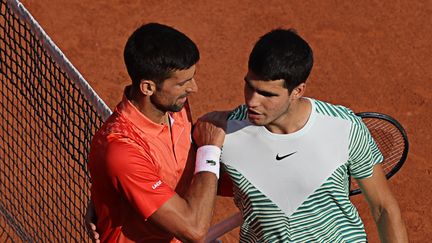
(253,115)
(183,98)
(252,112)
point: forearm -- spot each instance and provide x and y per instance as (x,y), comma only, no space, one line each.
(390,225)
(195,210)
(200,200)
(384,207)
(201,195)
(188,217)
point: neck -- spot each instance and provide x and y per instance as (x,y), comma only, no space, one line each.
(294,119)
(146,107)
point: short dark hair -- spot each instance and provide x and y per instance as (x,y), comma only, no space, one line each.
(155,50)
(282,54)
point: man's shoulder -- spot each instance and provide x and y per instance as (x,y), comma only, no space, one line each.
(334,111)
(118,131)
(114,145)
(237,119)
(239,113)
(341,113)
(116,124)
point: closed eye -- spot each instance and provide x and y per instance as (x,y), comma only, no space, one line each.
(184,82)
(265,93)
(260,92)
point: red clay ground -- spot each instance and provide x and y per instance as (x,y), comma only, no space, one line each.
(370,56)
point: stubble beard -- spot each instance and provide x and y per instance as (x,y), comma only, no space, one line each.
(167,108)
(175,108)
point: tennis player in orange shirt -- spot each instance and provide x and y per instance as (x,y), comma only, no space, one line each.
(146,184)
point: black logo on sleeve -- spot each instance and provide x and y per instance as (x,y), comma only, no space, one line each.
(284,156)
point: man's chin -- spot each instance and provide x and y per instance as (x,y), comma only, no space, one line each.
(257,122)
(176,108)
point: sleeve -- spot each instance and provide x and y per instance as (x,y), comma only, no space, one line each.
(239,113)
(135,176)
(225,184)
(364,153)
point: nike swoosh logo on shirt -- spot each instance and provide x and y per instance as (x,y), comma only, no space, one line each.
(283,157)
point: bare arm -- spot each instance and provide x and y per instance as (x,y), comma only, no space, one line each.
(384,207)
(189,218)
(223,227)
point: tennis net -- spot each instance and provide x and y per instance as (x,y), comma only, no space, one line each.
(48,116)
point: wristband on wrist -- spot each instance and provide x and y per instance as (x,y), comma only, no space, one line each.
(207,159)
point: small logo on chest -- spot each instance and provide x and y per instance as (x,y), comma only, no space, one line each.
(284,156)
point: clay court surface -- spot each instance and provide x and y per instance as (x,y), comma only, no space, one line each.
(369,56)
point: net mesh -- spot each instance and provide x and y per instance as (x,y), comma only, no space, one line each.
(45,129)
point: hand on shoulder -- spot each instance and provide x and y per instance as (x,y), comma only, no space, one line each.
(210,129)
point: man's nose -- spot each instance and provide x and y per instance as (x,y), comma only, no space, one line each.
(252,99)
(193,87)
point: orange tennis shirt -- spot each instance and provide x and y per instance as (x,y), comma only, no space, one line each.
(136,165)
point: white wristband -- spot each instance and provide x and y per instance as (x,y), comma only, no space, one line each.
(207,159)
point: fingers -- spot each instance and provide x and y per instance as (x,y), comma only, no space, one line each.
(206,133)
(92,227)
(90,222)
(95,234)
(91,231)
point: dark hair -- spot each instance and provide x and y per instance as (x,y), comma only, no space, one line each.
(282,54)
(154,50)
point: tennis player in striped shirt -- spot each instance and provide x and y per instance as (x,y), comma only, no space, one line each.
(290,157)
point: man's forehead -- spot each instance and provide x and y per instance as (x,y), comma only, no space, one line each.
(252,78)
(186,73)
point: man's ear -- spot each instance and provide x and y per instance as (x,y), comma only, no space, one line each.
(147,87)
(298,91)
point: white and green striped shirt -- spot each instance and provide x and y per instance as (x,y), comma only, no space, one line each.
(294,187)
